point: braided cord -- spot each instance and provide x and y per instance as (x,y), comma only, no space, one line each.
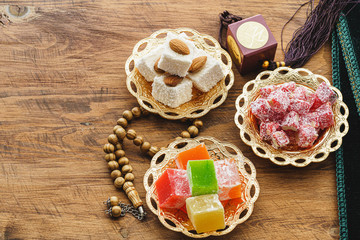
(343,32)
(340,173)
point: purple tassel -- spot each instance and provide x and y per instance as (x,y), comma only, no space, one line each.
(308,39)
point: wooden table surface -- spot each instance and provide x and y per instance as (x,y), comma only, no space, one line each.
(62,88)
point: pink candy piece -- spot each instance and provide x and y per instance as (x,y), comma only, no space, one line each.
(310,119)
(326,116)
(300,93)
(265,91)
(261,109)
(314,101)
(279,101)
(280,139)
(291,121)
(287,87)
(267,129)
(173,188)
(299,106)
(306,136)
(325,94)
(228,179)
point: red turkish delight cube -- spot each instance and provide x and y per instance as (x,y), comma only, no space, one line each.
(300,93)
(291,121)
(261,109)
(314,101)
(265,91)
(280,139)
(267,129)
(310,119)
(299,106)
(326,116)
(325,94)
(306,136)
(287,87)
(279,101)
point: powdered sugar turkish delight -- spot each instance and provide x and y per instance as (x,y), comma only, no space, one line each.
(290,114)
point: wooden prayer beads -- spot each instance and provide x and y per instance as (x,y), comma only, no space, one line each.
(119,164)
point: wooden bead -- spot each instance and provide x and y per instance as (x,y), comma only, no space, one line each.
(109,148)
(115,174)
(112,138)
(120,133)
(138,141)
(118,146)
(112,165)
(194,131)
(144,111)
(122,122)
(115,128)
(131,134)
(177,138)
(116,211)
(185,134)
(110,157)
(119,182)
(123,161)
(144,148)
(198,123)
(152,151)
(132,194)
(136,112)
(114,201)
(126,169)
(119,154)
(128,115)
(129,177)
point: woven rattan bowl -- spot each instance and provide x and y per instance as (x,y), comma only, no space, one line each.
(236,210)
(328,141)
(201,103)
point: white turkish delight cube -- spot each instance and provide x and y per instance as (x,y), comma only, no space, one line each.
(146,64)
(171,96)
(174,62)
(208,75)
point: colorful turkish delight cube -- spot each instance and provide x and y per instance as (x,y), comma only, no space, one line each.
(279,101)
(325,94)
(306,136)
(202,177)
(196,153)
(172,188)
(326,116)
(291,121)
(206,213)
(280,139)
(267,129)
(228,179)
(261,109)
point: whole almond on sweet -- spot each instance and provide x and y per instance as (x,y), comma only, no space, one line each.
(156,68)
(197,64)
(179,47)
(172,80)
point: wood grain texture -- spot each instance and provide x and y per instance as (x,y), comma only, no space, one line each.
(62,88)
